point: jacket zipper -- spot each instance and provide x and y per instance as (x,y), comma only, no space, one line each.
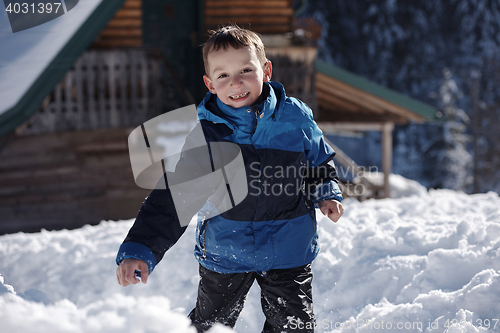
(204,245)
(312,217)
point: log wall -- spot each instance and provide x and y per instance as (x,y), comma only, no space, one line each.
(125,29)
(66,180)
(261,16)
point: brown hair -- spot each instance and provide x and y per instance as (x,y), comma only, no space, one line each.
(233,36)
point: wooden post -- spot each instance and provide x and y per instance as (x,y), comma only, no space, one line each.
(387,156)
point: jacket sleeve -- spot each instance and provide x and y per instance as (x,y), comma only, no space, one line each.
(323,182)
(155,230)
(160,223)
(322,178)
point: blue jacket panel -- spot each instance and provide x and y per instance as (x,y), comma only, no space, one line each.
(289,169)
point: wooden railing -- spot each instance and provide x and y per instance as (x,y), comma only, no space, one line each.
(125,87)
(104,89)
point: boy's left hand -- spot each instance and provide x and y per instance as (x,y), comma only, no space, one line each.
(332,208)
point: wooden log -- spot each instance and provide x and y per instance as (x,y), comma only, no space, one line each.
(125,23)
(128,13)
(254,10)
(244,4)
(121,32)
(132,4)
(261,28)
(119,42)
(270,20)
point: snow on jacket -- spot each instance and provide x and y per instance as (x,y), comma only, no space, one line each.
(289,170)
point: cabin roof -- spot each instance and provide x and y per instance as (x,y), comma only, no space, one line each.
(33,61)
(346,97)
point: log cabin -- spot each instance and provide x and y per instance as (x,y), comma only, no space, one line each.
(63,138)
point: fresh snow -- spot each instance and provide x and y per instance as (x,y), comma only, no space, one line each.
(423,261)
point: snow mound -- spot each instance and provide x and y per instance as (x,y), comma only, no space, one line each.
(400,186)
(5,288)
(118,313)
(426,261)
(403,187)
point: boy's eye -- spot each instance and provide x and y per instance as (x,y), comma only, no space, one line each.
(246,70)
(222,76)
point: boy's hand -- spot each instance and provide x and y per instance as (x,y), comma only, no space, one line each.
(332,208)
(125,273)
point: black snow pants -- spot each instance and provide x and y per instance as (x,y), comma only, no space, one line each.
(286,299)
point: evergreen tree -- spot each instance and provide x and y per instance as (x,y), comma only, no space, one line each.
(405,45)
(453,161)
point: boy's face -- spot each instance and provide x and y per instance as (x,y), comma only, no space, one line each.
(236,76)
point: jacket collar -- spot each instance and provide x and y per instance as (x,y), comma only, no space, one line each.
(243,118)
(212,109)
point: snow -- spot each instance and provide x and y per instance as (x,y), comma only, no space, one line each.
(422,261)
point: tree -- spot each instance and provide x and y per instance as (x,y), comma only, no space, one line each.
(405,45)
(454,162)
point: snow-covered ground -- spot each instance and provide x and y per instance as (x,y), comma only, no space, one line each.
(419,262)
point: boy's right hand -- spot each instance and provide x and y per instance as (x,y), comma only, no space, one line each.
(125,273)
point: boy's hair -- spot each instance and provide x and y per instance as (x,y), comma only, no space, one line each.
(233,36)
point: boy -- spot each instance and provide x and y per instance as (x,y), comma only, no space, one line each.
(271,236)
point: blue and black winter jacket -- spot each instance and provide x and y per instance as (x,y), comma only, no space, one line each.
(289,170)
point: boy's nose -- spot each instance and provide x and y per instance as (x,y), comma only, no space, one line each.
(236,81)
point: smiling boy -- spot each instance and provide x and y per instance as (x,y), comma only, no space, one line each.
(271,236)
(236,75)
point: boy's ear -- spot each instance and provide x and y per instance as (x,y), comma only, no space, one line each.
(209,84)
(268,71)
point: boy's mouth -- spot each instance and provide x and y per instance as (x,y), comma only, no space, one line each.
(239,96)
